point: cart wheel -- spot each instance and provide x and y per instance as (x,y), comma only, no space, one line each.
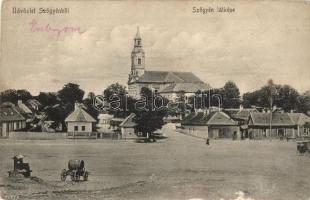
(85,176)
(63,175)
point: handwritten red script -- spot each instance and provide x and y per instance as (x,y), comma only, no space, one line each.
(47,28)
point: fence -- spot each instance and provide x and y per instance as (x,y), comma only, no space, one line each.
(36,136)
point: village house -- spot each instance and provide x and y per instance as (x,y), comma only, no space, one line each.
(302,123)
(79,123)
(241,116)
(124,128)
(167,83)
(280,124)
(10,120)
(216,124)
(104,125)
(128,127)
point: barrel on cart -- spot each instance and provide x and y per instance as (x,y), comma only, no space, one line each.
(76,169)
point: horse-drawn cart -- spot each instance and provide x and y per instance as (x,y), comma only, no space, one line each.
(76,169)
(303,147)
(20,167)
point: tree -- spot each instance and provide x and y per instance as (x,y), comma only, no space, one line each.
(71,93)
(112,90)
(48,98)
(148,118)
(120,104)
(89,103)
(304,103)
(13,96)
(287,98)
(231,95)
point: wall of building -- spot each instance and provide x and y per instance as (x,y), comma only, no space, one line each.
(197,131)
(88,127)
(128,133)
(7,127)
(224,132)
(261,133)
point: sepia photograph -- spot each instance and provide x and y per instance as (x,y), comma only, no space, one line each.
(155,100)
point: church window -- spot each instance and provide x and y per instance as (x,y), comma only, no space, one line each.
(139,61)
(138,43)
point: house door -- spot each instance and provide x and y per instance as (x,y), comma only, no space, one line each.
(216,133)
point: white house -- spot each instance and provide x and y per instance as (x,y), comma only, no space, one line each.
(10,120)
(128,127)
(79,122)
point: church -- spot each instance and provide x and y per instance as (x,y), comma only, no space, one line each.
(166,83)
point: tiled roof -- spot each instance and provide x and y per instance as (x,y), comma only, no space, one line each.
(186,87)
(242,114)
(79,115)
(8,114)
(221,118)
(24,108)
(168,77)
(278,119)
(128,121)
(214,118)
(299,118)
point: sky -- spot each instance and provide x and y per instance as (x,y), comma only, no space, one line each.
(261,40)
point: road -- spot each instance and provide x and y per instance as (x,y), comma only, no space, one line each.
(178,167)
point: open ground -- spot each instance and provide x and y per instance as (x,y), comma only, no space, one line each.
(178,167)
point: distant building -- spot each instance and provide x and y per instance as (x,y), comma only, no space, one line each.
(124,128)
(280,124)
(10,120)
(242,115)
(79,122)
(25,111)
(34,104)
(128,127)
(302,122)
(104,125)
(166,83)
(214,125)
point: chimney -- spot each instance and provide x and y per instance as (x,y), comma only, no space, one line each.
(274,108)
(19,102)
(240,107)
(76,105)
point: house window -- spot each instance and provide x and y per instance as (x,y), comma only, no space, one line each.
(17,125)
(139,61)
(76,128)
(83,128)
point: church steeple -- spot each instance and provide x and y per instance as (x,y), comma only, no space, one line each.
(137,59)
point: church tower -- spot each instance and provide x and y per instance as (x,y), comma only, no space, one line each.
(137,59)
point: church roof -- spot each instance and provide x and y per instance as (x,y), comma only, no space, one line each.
(79,115)
(168,77)
(185,87)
